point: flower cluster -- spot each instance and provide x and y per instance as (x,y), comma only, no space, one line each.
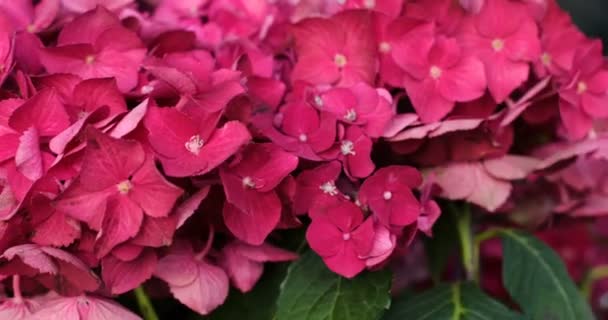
(170,140)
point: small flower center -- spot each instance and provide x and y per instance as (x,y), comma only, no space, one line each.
(147,89)
(124,187)
(435,72)
(340,60)
(329,188)
(318,101)
(369,4)
(581,87)
(89,59)
(385,47)
(195,144)
(31,28)
(347,147)
(303,137)
(498,45)
(546,59)
(351,115)
(346,236)
(387,195)
(248,183)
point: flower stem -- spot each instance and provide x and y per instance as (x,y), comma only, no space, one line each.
(145,305)
(17,296)
(203,253)
(465,236)
(596,273)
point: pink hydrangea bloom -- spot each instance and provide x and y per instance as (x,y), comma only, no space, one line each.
(388,194)
(340,49)
(118,185)
(96,45)
(506,47)
(341,236)
(438,72)
(253,208)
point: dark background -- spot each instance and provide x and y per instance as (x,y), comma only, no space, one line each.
(590,15)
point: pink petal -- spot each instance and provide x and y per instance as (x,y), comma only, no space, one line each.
(456,180)
(155,195)
(44,111)
(177,269)
(122,221)
(187,208)
(206,292)
(576,122)
(156,232)
(266,164)
(511,167)
(28,157)
(73,270)
(243,272)
(464,82)
(324,237)
(32,256)
(346,263)
(428,103)
(130,121)
(254,225)
(109,161)
(504,76)
(83,205)
(120,276)
(494,192)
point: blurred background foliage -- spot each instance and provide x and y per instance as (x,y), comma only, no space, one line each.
(590,16)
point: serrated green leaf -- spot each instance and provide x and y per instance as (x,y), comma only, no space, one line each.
(538,281)
(312,292)
(450,302)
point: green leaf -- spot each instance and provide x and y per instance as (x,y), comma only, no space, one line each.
(450,301)
(538,281)
(312,292)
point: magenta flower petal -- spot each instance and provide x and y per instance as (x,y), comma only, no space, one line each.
(122,276)
(122,221)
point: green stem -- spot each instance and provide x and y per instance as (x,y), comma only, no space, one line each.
(477,240)
(465,235)
(145,305)
(597,273)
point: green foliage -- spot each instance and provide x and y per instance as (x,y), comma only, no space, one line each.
(312,292)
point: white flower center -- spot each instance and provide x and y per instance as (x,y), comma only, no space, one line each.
(147,89)
(318,101)
(385,47)
(248,182)
(498,45)
(351,115)
(340,60)
(387,195)
(303,137)
(329,188)
(581,87)
(89,59)
(347,147)
(435,72)
(546,59)
(195,144)
(124,187)
(369,4)
(346,236)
